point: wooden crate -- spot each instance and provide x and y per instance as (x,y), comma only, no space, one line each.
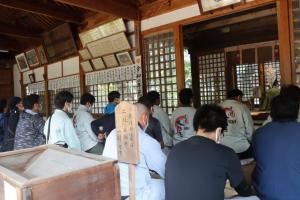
(50,172)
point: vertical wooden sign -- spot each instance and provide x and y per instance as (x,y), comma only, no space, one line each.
(127,140)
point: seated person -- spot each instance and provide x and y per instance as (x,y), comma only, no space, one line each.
(240,125)
(277,152)
(182,117)
(107,121)
(29,132)
(113,101)
(271,93)
(153,128)
(151,158)
(82,120)
(292,91)
(163,118)
(198,167)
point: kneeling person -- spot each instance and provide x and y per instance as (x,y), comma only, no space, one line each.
(151,159)
(199,167)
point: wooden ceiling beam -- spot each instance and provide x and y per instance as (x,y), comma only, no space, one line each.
(112,7)
(41,9)
(158,7)
(10,45)
(238,19)
(19,32)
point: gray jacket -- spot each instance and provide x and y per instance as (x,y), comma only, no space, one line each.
(29,132)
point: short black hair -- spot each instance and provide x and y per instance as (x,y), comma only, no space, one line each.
(61,98)
(284,108)
(185,96)
(3,104)
(235,93)
(153,96)
(12,103)
(292,91)
(113,95)
(145,101)
(87,98)
(30,100)
(209,118)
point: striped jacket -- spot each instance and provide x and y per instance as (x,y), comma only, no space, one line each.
(29,132)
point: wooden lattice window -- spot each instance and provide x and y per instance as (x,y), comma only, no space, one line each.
(212,78)
(76,101)
(247,78)
(160,63)
(127,89)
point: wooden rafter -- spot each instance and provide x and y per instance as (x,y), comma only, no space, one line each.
(19,32)
(235,20)
(10,45)
(40,9)
(152,8)
(112,7)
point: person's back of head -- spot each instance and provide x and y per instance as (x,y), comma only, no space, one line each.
(146,101)
(142,115)
(284,108)
(235,94)
(62,98)
(31,102)
(114,97)
(209,118)
(292,91)
(12,104)
(87,98)
(3,104)
(154,97)
(186,96)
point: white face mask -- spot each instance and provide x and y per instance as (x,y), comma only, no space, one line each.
(218,135)
(146,126)
(217,138)
(70,108)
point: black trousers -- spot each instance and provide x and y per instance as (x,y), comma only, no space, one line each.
(246,154)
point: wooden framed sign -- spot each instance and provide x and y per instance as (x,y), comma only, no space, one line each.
(127,133)
(208,5)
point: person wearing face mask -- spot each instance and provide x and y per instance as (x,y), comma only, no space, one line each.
(14,108)
(153,129)
(151,159)
(82,120)
(198,167)
(240,128)
(29,132)
(59,128)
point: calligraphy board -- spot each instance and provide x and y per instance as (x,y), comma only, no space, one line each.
(127,133)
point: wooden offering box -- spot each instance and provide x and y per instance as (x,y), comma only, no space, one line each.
(50,172)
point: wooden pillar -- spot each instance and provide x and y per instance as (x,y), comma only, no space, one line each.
(285,47)
(47,95)
(195,78)
(82,81)
(180,75)
(139,52)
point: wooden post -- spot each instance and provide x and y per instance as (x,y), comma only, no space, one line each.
(127,140)
(180,75)
(47,96)
(139,52)
(286,64)
(82,81)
